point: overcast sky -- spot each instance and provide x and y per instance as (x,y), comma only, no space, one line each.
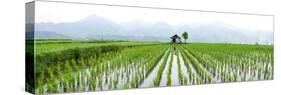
(65,12)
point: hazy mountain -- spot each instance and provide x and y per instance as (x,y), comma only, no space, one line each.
(225,33)
(96,27)
(85,28)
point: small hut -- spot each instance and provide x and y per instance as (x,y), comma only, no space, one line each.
(176,39)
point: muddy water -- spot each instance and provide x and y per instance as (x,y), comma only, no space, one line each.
(163,81)
(148,82)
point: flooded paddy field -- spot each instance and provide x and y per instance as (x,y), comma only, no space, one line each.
(122,65)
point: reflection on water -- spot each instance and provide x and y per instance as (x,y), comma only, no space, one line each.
(131,74)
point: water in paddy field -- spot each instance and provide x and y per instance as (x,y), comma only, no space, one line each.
(163,80)
(148,82)
(255,70)
(183,67)
(192,79)
(115,78)
(122,77)
(175,71)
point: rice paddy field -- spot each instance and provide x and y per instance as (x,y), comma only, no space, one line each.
(77,66)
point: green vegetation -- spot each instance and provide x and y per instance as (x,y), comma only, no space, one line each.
(156,80)
(185,36)
(50,46)
(76,65)
(169,82)
(182,79)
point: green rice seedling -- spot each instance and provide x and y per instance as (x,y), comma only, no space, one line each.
(181,78)
(115,82)
(169,82)
(246,55)
(187,62)
(156,80)
(110,63)
(184,80)
(134,83)
(126,86)
(199,68)
(266,72)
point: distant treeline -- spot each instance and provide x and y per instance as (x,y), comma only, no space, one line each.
(62,41)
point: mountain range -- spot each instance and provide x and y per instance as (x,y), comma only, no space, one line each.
(97,27)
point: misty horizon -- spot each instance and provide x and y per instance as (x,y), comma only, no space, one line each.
(97,27)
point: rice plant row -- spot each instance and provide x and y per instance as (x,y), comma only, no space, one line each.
(108,67)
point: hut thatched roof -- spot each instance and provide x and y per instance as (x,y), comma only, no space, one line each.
(176,37)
